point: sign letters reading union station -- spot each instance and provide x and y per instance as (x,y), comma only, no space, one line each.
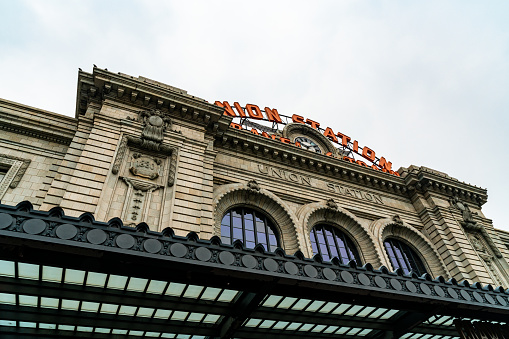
(153,213)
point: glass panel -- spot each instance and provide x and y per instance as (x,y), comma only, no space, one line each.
(28,271)
(250,227)
(47,326)
(27,324)
(293,326)
(127,310)
(7,298)
(210,293)
(315,305)
(253,322)
(318,328)
(96,279)
(328,307)
(74,276)
(28,300)
(7,323)
(49,302)
(287,302)
(162,314)
(136,333)
(266,324)
(84,329)
(66,327)
(301,304)
(179,315)
(145,312)
(117,282)
(7,268)
(330,242)
(280,325)
(152,334)
(196,317)
(109,308)
(175,289)
(88,306)
(156,287)
(193,291)
(226,220)
(272,301)
(227,295)
(331,329)
(52,273)
(70,304)
(117,331)
(211,318)
(306,327)
(137,284)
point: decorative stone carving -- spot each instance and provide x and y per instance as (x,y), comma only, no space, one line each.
(397,220)
(252,184)
(468,216)
(471,225)
(332,204)
(145,166)
(122,149)
(173,167)
(17,167)
(137,200)
(155,123)
(477,243)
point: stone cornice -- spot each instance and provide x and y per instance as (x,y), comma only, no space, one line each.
(147,94)
(251,144)
(423,179)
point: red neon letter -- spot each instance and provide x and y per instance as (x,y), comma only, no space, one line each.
(344,139)
(236,126)
(384,164)
(285,140)
(227,108)
(239,109)
(362,163)
(257,114)
(330,134)
(297,118)
(254,131)
(356,146)
(368,153)
(313,124)
(273,115)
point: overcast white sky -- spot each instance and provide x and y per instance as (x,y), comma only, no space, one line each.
(423,83)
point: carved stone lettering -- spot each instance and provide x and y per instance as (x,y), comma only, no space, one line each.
(145,166)
(354,193)
(282,174)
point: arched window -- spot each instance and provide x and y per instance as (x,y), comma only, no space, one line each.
(330,242)
(402,256)
(249,226)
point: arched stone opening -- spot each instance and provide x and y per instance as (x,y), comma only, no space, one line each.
(252,196)
(397,229)
(329,213)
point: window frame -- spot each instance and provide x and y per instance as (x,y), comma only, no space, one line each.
(338,233)
(405,249)
(269,224)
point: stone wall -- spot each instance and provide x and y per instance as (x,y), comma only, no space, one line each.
(148,154)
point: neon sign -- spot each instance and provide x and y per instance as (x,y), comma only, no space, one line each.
(344,142)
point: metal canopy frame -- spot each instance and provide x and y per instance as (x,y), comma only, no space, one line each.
(74,277)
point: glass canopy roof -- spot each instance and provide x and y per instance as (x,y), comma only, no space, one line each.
(46,300)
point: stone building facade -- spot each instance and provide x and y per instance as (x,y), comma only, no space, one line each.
(152,154)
